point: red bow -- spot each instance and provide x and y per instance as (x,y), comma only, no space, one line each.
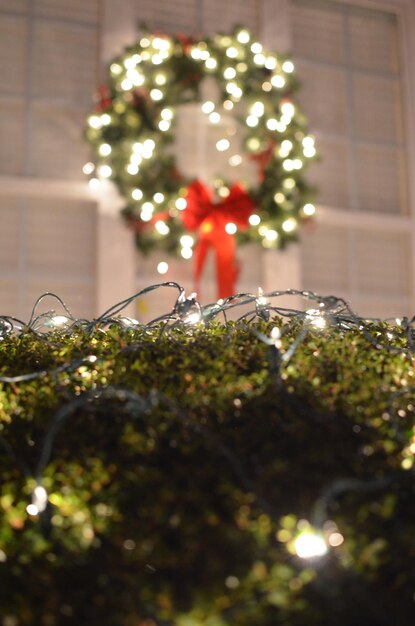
(210,219)
(104,100)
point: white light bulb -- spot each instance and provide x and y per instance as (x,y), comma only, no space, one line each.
(164,125)
(288,67)
(259,59)
(156,94)
(214,118)
(309,209)
(105,149)
(256,47)
(232,52)
(310,544)
(222,145)
(186,253)
(229,73)
(257,109)
(181,204)
(271,235)
(278,81)
(231,228)
(235,160)
(105,119)
(162,227)
(126,84)
(95,121)
(163,267)
(186,241)
(133,169)
(88,168)
(137,194)
(105,171)
(158,197)
(208,107)
(211,63)
(254,219)
(243,36)
(252,121)
(94,184)
(289,225)
(166,114)
(270,63)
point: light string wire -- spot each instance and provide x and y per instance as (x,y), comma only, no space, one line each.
(187,313)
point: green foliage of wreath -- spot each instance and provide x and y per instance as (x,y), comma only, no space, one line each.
(133,127)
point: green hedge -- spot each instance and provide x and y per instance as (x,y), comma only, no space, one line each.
(183,465)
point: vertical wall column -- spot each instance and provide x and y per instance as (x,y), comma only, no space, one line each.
(115,243)
(281,268)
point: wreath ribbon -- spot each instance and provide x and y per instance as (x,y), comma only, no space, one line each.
(210,218)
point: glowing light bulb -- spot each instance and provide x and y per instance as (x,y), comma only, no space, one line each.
(133,169)
(160,79)
(270,63)
(232,52)
(310,544)
(229,73)
(156,94)
(279,197)
(271,235)
(231,228)
(163,267)
(186,253)
(186,241)
(162,227)
(126,84)
(105,149)
(289,225)
(181,204)
(164,125)
(228,105)
(256,47)
(94,184)
(105,171)
(158,197)
(309,152)
(252,121)
(208,107)
(259,59)
(314,318)
(166,114)
(137,194)
(88,168)
(235,160)
(115,69)
(272,124)
(309,209)
(288,165)
(254,220)
(278,81)
(222,145)
(94,121)
(243,36)
(288,67)
(257,109)
(211,63)
(288,183)
(287,108)
(105,119)
(214,118)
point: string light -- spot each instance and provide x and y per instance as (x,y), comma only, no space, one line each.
(310,544)
(254,219)
(163,267)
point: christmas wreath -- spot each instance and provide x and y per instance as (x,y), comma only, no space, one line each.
(133,128)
